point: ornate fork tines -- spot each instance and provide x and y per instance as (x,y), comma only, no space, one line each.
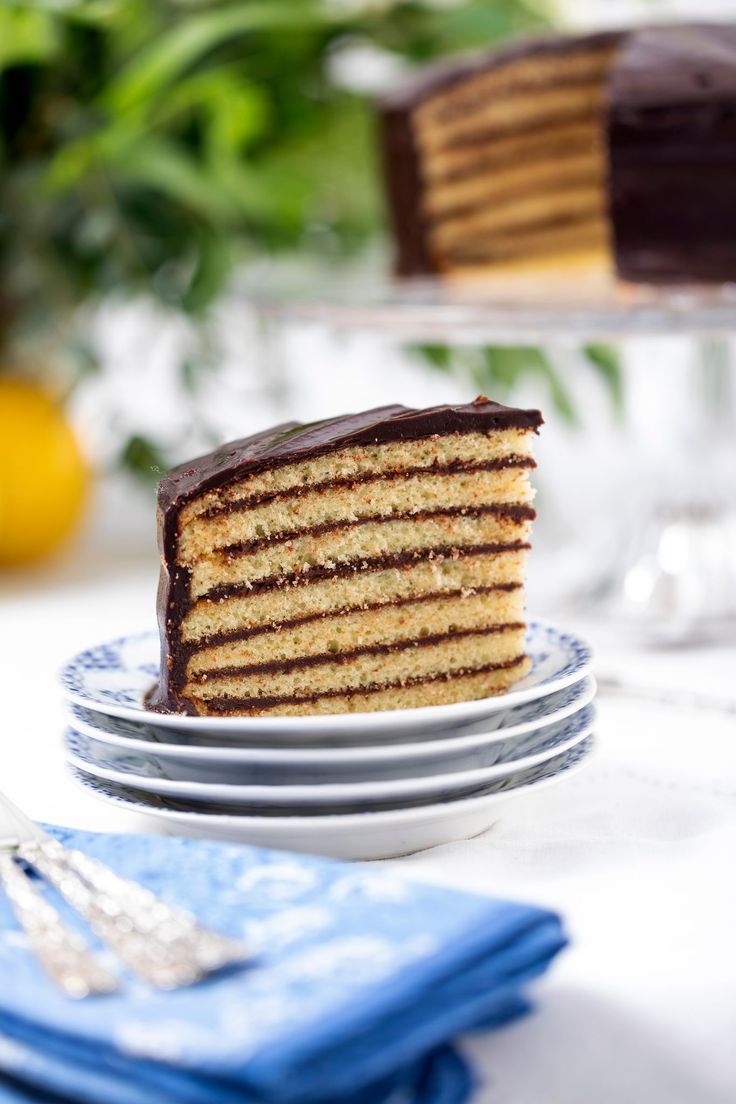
(60,950)
(162,944)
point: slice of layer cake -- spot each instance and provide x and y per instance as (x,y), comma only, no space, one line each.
(611,152)
(368,562)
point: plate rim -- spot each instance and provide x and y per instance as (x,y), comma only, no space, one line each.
(342,753)
(346,821)
(312,793)
(477,707)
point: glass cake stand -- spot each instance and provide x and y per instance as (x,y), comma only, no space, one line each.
(671,570)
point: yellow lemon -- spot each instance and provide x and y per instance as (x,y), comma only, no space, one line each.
(43,477)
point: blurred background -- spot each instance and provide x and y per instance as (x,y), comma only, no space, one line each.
(163,158)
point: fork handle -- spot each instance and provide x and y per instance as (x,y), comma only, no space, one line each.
(60,950)
(163,945)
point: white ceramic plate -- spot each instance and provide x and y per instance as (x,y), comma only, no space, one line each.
(113,678)
(114,766)
(206,762)
(355,835)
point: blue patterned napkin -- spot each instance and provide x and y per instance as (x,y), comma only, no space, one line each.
(358,984)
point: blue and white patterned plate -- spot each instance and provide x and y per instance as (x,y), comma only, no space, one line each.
(346,835)
(289,791)
(113,678)
(204,757)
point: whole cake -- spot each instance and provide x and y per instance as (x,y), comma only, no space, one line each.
(615,152)
(368,562)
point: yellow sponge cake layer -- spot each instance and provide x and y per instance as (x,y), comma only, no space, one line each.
(361,539)
(519,79)
(351,464)
(307,511)
(441,690)
(364,584)
(411,662)
(388,622)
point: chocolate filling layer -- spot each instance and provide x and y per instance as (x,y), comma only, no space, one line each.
(258,630)
(429,80)
(542,151)
(293,441)
(321,658)
(245,504)
(588,231)
(231,705)
(522,90)
(513,511)
(502,199)
(510,234)
(490,134)
(351,567)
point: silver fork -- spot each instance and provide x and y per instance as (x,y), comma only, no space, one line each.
(163,945)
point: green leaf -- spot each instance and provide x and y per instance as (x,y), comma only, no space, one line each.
(235,109)
(83,11)
(561,397)
(506,364)
(174,51)
(188,372)
(438,356)
(85,357)
(502,367)
(26,36)
(143,458)
(213,266)
(160,164)
(606,360)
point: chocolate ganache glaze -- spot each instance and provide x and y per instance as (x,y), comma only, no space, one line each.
(672,142)
(288,443)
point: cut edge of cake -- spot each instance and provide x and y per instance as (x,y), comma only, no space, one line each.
(373,561)
(448,126)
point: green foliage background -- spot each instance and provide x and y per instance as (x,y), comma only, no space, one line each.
(150,146)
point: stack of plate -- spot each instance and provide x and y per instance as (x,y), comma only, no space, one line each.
(365,785)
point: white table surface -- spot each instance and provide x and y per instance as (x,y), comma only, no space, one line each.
(638,853)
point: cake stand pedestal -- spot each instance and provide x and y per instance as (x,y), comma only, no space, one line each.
(670,574)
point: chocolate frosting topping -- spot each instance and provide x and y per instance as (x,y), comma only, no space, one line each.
(672,142)
(288,443)
(449,71)
(291,442)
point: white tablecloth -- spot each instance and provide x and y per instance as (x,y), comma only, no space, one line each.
(637,853)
